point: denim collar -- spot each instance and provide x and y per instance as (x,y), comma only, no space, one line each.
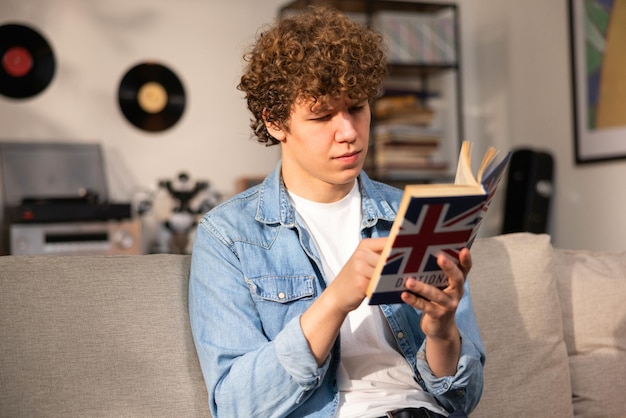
(274,206)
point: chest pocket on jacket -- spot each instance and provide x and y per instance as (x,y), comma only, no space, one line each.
(279,299)
(281,289)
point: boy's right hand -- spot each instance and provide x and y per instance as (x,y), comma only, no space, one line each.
(349,286)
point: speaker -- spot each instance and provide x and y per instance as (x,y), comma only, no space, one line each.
(529,191)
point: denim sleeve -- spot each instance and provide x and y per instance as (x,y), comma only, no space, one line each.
(463,390)
(246,373)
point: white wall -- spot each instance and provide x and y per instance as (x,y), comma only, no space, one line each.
(96,42)
(518,81)
(516,87)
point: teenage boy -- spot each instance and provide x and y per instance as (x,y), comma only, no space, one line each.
(278,310)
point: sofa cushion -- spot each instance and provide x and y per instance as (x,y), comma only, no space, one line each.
(517,308)
(97,336)
(592,288)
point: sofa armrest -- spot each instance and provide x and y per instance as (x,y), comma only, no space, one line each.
(592,286)
(517,309)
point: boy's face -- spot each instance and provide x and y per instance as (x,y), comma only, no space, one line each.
(324,148)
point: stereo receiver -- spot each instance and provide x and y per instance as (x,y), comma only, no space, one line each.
(77,238)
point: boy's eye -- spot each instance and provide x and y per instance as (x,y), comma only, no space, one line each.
(323,117)
(358,107)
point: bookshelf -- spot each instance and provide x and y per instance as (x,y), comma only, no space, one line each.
(417,124)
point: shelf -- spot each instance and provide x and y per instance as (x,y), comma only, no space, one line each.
(404,70)
(400,182)
(372,6)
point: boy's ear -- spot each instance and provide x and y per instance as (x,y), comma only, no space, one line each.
(274,128)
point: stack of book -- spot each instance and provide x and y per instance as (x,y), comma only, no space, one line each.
(405,139)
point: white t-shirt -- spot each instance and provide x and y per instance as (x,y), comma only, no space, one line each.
(373,376)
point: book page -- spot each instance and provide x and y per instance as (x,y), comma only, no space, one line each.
(464,173)
(487,163)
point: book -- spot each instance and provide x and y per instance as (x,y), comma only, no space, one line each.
(435,218)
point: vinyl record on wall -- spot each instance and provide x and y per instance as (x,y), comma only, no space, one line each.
(151,97)
(27,62)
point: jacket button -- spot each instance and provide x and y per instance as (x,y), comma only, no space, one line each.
(281,295)
(400,335)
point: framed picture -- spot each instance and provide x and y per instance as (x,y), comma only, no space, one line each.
(598,37)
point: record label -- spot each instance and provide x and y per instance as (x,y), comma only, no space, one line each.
(151,97)
(17,61)
(27,63)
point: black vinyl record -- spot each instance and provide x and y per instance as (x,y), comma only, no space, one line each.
(151,97)
(26,61)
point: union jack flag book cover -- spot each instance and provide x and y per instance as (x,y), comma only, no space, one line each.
(426,227)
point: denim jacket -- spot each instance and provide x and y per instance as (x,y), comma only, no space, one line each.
(254,271)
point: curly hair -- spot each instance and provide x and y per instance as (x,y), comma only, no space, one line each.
(317,55)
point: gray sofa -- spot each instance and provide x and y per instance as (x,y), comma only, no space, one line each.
(108,336)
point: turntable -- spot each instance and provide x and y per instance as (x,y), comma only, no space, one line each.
(55,201)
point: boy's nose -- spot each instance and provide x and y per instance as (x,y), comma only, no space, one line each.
(345,130)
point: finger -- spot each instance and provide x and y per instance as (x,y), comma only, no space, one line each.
(465,261)
(456,278)
(414,300)
(370,248)
(424,294)
(440,306)
(452,269)
(374,244)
